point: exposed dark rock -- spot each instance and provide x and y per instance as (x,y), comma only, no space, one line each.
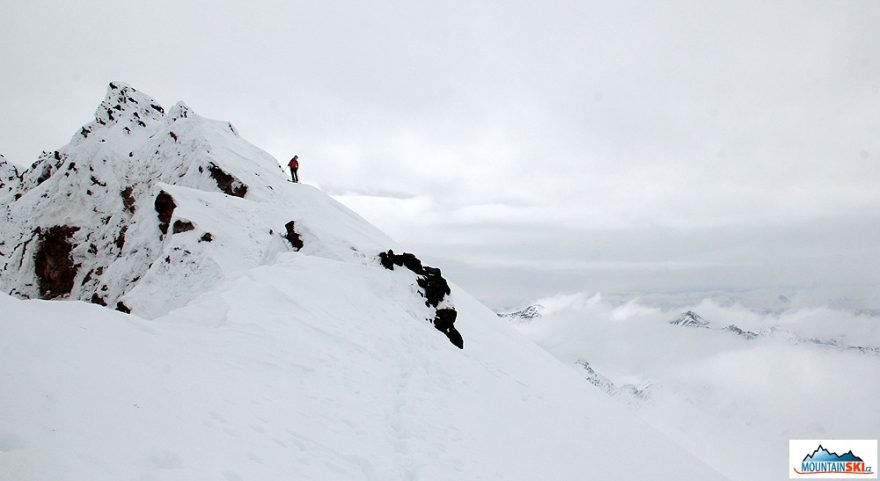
(455,337)
(430,279)
(122,308)
(182,226)
(445,318)
(434,285)
(85,132)
(173,136)
(434,288)
(444,321)
(292,236)
(128,199)
(226,182)
(157,108)
(93,249)
(165,209)
(44,175)
(207,237)
(96,299)
(53,264)
(390,259)
(98,182)
(120,239)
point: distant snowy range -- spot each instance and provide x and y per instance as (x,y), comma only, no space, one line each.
(730,376)
(173,308)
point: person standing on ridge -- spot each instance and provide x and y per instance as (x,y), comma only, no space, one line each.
(294,166)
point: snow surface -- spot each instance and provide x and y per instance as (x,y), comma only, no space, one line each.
(273,376)
(733,398)
(246,359)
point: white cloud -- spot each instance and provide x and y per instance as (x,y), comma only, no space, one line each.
(724,397)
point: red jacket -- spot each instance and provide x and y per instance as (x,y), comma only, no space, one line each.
(293,164)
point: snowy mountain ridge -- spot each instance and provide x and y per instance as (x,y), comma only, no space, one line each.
(690,319)
(526,314)
(266,337)
(725,393)
(159,196)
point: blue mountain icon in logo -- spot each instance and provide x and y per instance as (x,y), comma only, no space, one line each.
(822,454)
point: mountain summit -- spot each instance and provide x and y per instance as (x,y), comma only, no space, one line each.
(267,332)
(690,319)
(146,208)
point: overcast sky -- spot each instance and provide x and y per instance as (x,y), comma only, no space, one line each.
(526,148)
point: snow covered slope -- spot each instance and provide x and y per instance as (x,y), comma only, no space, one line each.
(257,349)
(730,384)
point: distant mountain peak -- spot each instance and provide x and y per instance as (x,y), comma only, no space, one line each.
(526,314)
(690,319)
(741,332)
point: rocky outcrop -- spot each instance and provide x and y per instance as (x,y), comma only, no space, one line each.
(226,182)
(164,206)
(433,287)
(292,236)
(128,200)
(444,322)
(53,263)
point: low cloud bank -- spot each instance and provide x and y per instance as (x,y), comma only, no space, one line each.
(725,394)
